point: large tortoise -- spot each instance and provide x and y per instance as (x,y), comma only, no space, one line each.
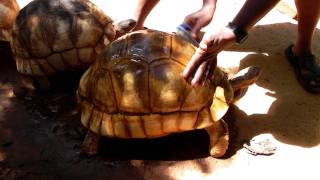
(53,36)
(8,12)
(135,89)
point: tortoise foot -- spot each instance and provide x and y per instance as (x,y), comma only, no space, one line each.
(219,138)
(27,82)
(239,93)
(33,83)
(90,145)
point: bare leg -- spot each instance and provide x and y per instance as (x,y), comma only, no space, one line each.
(142,11)
(300,55)
(308,16)
(219,138)
(90,145)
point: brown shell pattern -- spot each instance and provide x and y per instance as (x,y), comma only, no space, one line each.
(51,36)
(136,90)
(8,12)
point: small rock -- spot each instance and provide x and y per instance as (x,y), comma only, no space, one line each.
(261,147)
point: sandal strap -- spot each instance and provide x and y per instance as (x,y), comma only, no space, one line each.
(308,62)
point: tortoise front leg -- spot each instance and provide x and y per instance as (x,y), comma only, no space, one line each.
(27,82)
(219,138)
(35,82)
(90,145)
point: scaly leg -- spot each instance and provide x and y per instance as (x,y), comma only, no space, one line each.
(90,145)
(219,138)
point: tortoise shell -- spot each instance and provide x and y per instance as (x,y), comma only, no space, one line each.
(51,36)
(135,89)
(8,12)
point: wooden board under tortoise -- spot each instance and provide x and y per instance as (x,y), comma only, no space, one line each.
(136,90)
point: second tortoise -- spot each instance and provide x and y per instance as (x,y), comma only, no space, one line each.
(135,89)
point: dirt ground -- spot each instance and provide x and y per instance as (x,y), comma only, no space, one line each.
(41,134)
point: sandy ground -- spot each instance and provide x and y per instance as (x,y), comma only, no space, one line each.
(40,135)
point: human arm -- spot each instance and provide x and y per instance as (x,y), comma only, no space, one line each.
(201,18)
(195,20)
(204,59)
(142,11)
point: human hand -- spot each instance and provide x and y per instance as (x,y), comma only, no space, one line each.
(200,19)
(204,61)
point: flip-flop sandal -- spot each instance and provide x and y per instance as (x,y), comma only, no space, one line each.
(306,70)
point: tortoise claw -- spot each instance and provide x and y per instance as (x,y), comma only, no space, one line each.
(219,138)
(90,145)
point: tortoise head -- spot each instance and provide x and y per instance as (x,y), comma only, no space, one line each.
(124,26)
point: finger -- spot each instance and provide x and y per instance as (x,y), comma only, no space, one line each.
(195,30)
(202,75)
(208,71)
(210,56)
(212,65)
(199,75)
(195,60)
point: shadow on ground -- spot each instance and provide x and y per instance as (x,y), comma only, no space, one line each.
(293,117)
